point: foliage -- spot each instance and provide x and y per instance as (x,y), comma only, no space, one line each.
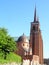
(7,43)
(12,57)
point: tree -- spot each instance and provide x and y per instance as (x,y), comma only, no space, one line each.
(7,43)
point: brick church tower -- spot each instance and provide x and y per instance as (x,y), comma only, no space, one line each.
(36,42)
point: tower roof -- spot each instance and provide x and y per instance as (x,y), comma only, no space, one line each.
(23,38)
(35,15)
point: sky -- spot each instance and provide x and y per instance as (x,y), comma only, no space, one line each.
(17,15)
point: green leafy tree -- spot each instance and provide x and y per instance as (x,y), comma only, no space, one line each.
(7,43)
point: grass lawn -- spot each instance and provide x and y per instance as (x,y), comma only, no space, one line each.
(10,58)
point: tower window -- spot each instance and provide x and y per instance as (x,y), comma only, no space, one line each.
(33,27)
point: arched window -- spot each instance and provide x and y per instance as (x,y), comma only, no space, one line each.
(33,27)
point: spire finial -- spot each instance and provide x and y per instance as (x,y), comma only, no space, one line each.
(35,15)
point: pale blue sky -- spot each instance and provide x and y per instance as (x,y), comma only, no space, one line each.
(16,15)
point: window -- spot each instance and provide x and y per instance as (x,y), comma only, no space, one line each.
(23,44)
(33,27)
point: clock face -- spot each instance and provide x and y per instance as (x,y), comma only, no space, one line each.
(25,46)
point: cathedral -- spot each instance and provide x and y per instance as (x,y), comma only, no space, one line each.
(31,48)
